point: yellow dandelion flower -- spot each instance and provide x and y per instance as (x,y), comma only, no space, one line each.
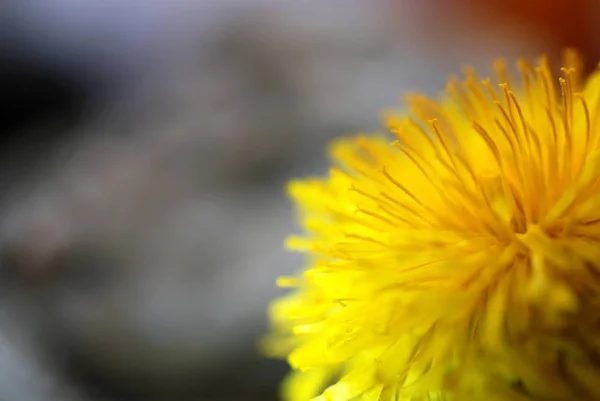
(460,261)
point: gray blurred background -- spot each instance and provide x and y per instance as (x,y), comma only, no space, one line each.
(145,150)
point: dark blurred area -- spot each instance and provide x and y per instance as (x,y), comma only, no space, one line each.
(145,151)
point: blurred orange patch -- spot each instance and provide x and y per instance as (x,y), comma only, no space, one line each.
(554,23)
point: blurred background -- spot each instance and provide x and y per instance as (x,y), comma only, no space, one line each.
(145,150)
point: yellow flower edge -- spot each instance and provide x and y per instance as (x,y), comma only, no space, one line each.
(457,258)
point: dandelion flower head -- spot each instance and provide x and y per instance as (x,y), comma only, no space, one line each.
(456,257)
